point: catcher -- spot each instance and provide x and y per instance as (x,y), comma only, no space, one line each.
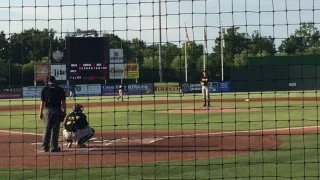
(76,127)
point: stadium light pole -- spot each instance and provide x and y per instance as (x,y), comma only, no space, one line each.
(160,48)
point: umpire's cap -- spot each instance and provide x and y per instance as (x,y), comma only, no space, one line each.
(52,79)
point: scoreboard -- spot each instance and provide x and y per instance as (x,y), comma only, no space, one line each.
(87,58)
(88,71)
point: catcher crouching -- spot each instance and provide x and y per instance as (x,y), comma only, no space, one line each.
(76,128)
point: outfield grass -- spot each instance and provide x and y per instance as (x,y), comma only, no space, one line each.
(172,96)
(272,115)
(297,159)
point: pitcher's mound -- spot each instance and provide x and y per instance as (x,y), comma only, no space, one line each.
(213,109)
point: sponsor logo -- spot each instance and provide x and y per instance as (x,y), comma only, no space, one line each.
(292,84)
(185,87)
(131,67)
(57,56)
(116,71)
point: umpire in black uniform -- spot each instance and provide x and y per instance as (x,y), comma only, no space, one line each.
(52,111)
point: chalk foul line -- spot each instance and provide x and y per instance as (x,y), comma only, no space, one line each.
(111,142)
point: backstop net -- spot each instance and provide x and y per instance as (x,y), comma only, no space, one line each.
(159,89)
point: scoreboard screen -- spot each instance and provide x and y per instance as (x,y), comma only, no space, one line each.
(88,71)
(87,57)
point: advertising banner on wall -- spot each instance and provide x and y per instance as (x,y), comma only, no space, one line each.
(88,90)
(213,86)
(9,93)
(131,71)
(131,89)
(116,71)
(59,71)
(224,86)
(143,88)
(32,91)
(112,90)
(41,72)
(116,56)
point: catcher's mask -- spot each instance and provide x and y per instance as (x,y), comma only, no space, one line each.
(77,108)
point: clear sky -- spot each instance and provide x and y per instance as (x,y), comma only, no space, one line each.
(139,18)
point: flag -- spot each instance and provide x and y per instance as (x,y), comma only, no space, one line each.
(205,37)
(187,37)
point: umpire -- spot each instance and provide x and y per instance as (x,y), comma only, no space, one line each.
(53,100)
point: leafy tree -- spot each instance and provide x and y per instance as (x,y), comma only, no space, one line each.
(235,42)
(4,47)
(259,43)
(303,38)
(32,44)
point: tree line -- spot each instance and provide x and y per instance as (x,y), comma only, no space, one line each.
(20,51)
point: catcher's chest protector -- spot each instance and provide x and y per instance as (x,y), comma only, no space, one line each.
(71,123)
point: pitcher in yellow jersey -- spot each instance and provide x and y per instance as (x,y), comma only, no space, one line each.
(205,82)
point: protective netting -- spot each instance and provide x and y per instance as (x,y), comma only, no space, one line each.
(136,67)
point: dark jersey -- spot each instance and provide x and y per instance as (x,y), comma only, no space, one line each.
(205,80)
(121,87)
(75,121)
(52,96)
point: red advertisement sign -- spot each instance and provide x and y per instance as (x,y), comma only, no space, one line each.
(10,95)
(41,72)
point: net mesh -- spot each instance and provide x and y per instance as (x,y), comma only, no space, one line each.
(136,67)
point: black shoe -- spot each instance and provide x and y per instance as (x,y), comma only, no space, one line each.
(45,150)
(208,105)
(204,105)
(57,149)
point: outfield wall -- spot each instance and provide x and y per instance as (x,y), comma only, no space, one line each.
(280,73)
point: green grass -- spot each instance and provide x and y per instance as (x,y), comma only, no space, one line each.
(170,96)
(271,115)
(297,159)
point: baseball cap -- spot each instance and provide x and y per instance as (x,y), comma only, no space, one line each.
(52,79)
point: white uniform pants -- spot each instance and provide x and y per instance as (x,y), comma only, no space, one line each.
(205,92)
(80,133)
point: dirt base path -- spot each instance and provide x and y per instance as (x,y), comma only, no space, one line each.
(155,102)
(122,147)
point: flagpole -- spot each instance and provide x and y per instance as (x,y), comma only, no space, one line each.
(204,47)
(185,58)
(222,44)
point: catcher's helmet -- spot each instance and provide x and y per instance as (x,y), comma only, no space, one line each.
(77,108)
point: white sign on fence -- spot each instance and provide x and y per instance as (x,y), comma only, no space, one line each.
(116,71)
(59,71)
(88,90)
(116,56)
(32,91)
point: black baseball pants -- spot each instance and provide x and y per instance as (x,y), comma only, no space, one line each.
(51,131)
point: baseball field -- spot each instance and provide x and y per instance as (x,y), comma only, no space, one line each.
(269,135)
